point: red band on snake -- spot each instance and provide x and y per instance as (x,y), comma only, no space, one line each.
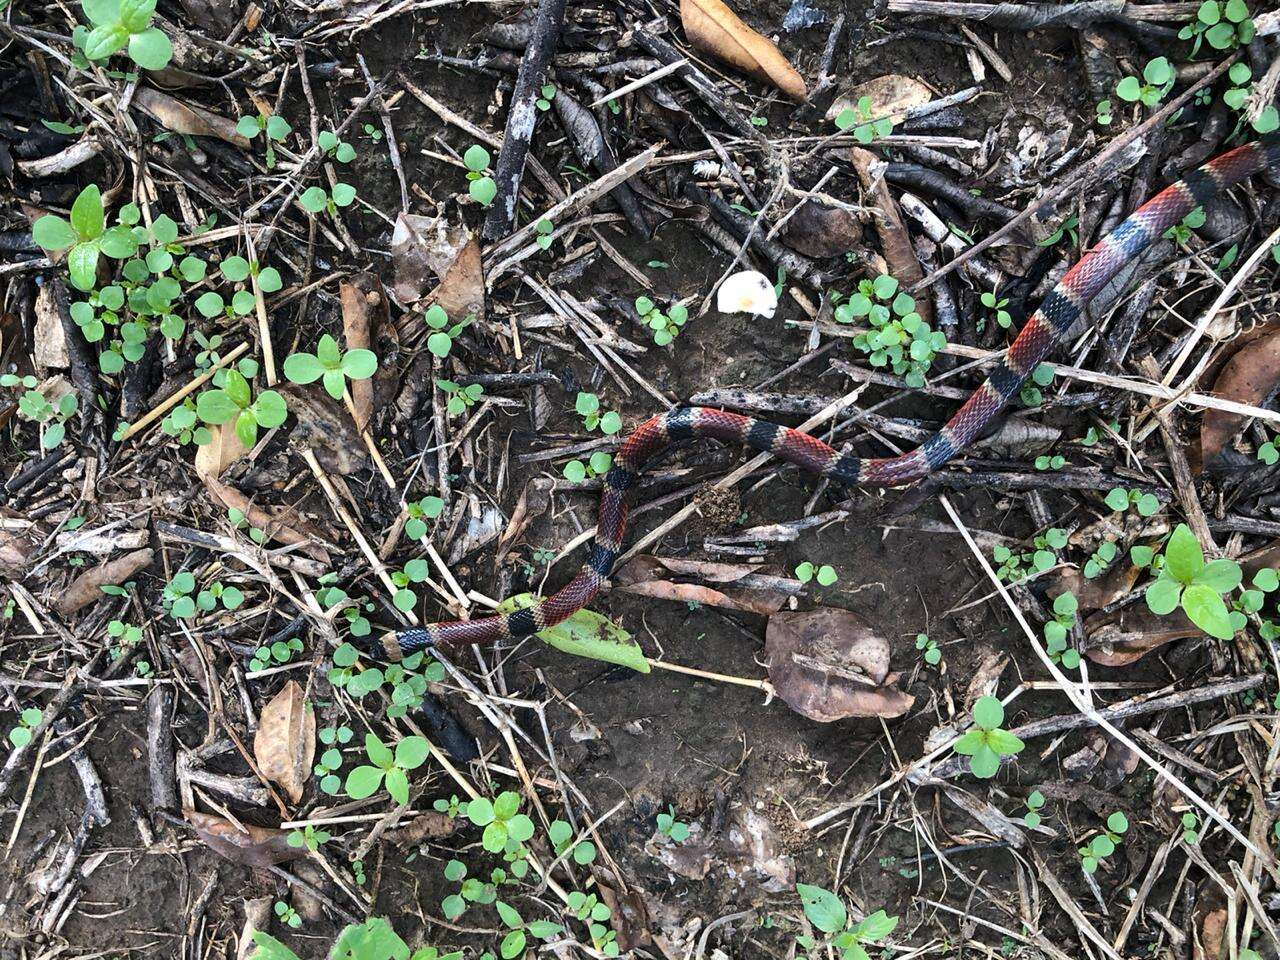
(1035,341)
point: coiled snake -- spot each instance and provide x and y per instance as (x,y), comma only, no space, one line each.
(1036,340)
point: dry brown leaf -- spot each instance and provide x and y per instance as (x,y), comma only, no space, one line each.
(1096,593)
(711,26)
(819,230)
(431,825)
(213,458)
(87,587)
(1119,638)
(891,96)
(461,290)
(285,742)
(326,428)
(272,524)
(744,587)
(173,114)
(827,664)
(360,298)
(1250,376)
(50,338)
(253,846)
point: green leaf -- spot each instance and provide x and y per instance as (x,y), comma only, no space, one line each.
(988,713)
(86,213)
(1222,575)
(105,40)
(314,199)
(587,634)
(211,305)
(235,269)
(1004,743)
(512,945)
(215,406)
(398,785)
(506,805)
(82,266)
(299,367)
(480,812)
(150,49)
(876,927)
(52,233)
(1117,822)
(510,916)
(494,838)
(1183,556)
(476,158)
(269,280)
(822,907)
(247,428)
(1163,595)
(363,782)
(1129,89)
(269,948)
(970,743)
(359,364)
(135,15)
(270,409)
(1206,609)
(343,194)
(985,763)
(334,383)
(248,127)
(278,127)
(101,11)
(412,752)
(483,191)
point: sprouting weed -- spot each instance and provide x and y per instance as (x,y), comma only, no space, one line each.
(505,828)
(331,365)
(1269,452)
(828,915)
(1250,601)
(1068,226)
(275,128)
(514,943)
(472,889)
(597,465)
(440,340)
(420,511)
(121,26)
(547,93)
(1181,233)
(560,834)
(281,651)
(451,807)
(51,416)
(232,401)
(1105,843)
(1223,24)
(352,609)
(1101,559)
(1031,395)
(986,742)
(825,574)
(1065,607)
(997,307)
(544,230)
(1035,802)
(460,398)
(1186,580)
(862,121)
(670,827)
(588,909)
(330,761)
(241,522)
(1046,462)
(1157,80)
(480,185)
(181,422)
(308,837)
(1190,829)
(372,132)
(665,326)
(1119,499)
(899,338)
(1102,113)
(1011,567)
(28,720)
(387,766)
(287,915)
(316,199)
(587,406)
(333,148)
(929,649)
(416,570)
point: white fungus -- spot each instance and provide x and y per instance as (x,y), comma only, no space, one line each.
(748,291)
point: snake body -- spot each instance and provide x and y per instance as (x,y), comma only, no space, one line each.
(1036,340)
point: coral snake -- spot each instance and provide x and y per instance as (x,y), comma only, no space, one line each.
(1040,335)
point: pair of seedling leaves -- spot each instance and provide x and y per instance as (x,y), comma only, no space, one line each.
(120,22)
(1187,580)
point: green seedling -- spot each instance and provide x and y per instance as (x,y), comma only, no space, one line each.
(929,650)
(28,720)
(862,121)
(331,365)
(85,236)
(239,521)
(1119,499)
(1268,453)
(281,651)
(287,915)
(1157,80)
(544,230)
(51,417)
(308,837)
(1224,24)
(480,186)
(1251,601)
(330,760)
(415,571)
(986,743)
(1190,829)
(547,93)
(997,307)
(1101,559)
(1186,580)
(372,132)
(234,400)
(318,200)
(1065,607)
(1102,114)
(351,609)
(561,834)
(1181,233)
(587,406)
(386,766)
(828,915)
(374,939)
(1105,843)
(672,828)
(126,635)
(587,908)
(597,465)
(665,326)
(452,808)
(275,128)
(1035,802)
(1065,229)
(339,150)
(1011,566)
(504,825)
(121,24)
(183,423)
(460,398)
(472,889)
(898,338)
(420,511)
(1031,396)
(440,340)
(1046,462)
(825,575)
(514,943)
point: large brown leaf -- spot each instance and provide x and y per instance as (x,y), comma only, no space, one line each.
(253,846)
(711,26)
(1119,638)
(213,458)
(1250,376)
(828,664)
(286,740)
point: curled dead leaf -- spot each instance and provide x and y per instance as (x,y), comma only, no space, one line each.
(438,262)
(1096,593)
(712,27)
(252,846)
(431,825)
(362,302)
(326,428)
(827,664)
(1250,376)
(179,117)
(272,523)
(891,96)
(742,587)
(87,587)
(213,458)
(285,743)
(1123,636)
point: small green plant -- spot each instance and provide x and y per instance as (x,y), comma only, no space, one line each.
(275,129)
(287,915)
(898,338)
(1046,462)
(460,397)
(1181,233)
(183,423)
(588,909)
(118,24)
(420,511)
(52,418)
(1224,24)
(1102,113)
(440,340)
(330,596)
(1101,559)
(560,834)
(986,743)
(1186,580)
(125,635)
(672,828)
(504,825)
(665,326)
(828,915)
(929,649)
(472,889)
(452,808)
(997,307)
(1067,228)
(317,200)
(233,400)
(372,132)
(386,766)
(547,93)
(480,186)
(281,651)
(331,759)
(1190,829)
(597,465)
(28,720)
(544,230)
(1251,600)
(1065,607)
(415,571)
(587,406)
(1035,802)
(339,150)
(1105,843)
(514,943)
(1032,396)
(1157,80)
(85,236)
(1012,567)
(865,125)
(825,575)
(308,837)
(331,365)
(1269,452)
(1119,499)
